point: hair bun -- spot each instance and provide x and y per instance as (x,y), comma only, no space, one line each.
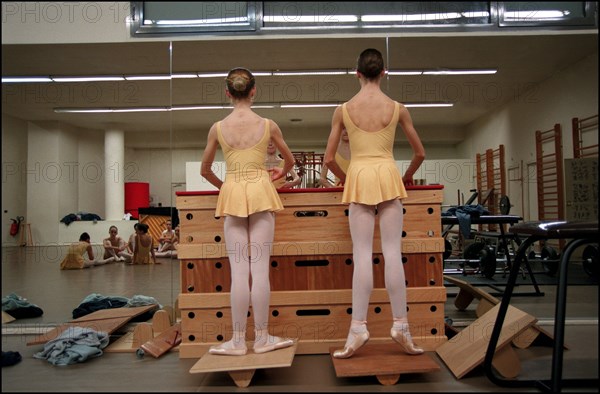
(239,83)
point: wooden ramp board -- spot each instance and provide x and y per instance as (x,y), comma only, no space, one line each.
(468,293)
(131,341)
(242,368)
(161,344)
(384,361)
(107,320)
(7,318)
(467,349)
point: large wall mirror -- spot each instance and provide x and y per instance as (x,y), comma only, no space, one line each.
(94,133)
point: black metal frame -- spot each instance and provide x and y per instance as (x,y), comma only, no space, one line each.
(555,383)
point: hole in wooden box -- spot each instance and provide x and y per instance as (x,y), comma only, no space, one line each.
(313,312)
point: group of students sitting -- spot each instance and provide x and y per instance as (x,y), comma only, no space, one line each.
(139,249)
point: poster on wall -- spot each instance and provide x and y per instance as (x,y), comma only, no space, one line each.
(581,188)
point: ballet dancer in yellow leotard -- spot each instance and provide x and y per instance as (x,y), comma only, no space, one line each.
(373,182)
(248,200)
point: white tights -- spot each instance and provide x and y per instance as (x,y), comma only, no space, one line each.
(362,227)
(243,237)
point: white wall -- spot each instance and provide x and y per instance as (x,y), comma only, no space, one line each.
(90,174)
(42,187)
(14,180)
(80,22)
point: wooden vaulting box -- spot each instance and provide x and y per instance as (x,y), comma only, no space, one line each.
(310,272)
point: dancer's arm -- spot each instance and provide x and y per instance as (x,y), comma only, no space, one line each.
(208,158)
(277,137)
(337,126)
(405,121)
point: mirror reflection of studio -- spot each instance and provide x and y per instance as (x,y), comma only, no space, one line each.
(300,196)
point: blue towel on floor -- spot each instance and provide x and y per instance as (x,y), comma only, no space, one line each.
(74,345)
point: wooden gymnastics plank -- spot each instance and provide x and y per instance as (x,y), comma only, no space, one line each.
(386,361)
(468,292)
(105,325)
(99,321)
(142,333)
(242,368)
(112,313)
(467,349)
(217,363)
(165,341)
(131,340)
(7,318)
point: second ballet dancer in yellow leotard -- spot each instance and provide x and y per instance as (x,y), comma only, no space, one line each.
(373,182)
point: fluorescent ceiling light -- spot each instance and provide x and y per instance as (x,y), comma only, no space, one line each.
(197,107)
(26,79)
(526,15)
(410,18)
(309,72)
(428,105)
(214,74)
(97,78)
(147,77)
(185,75)
(264,106)
(81,110)
(459,72)
(315,105)
(218,107)
(142,109)
(405,72)
(194,22)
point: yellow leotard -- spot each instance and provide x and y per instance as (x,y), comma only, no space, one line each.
(343,164)
(372,175)
(143,253)
(74,258)
(247,188)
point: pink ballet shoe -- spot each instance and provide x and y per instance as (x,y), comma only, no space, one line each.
(405,341)
(280,344)
(223,351)
(358,340)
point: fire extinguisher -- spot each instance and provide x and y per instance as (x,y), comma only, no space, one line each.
(14,227)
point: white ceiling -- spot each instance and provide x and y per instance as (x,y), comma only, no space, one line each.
(522,62)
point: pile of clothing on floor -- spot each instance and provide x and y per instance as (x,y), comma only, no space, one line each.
(19,307)
(75,344)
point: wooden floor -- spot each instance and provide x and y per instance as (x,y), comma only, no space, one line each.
(33,273)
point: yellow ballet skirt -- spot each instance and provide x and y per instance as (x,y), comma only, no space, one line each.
(74,258)
(247,188)
(343,164)
(372,175)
